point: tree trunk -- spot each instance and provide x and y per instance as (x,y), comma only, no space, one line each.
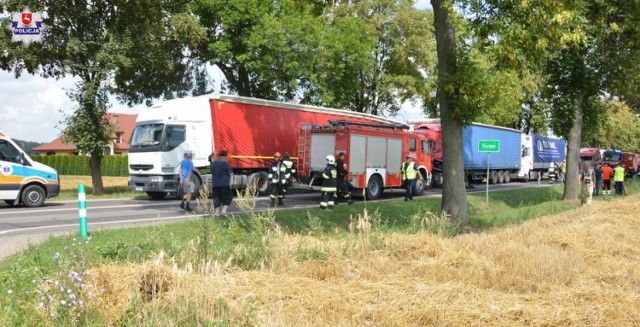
(454,196)
(573,152)
(96,173)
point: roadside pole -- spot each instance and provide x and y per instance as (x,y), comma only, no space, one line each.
(82,211)
(488,146)
(486,192)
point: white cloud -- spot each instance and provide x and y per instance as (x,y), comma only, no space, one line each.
(31,107)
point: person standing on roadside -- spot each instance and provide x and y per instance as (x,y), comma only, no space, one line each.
(329,183)
(563,171)
(221,174)
(597,173)
(607,173)
(618,179)
(409,172)
(588,178)
(342,175)
(185,172)
(277,179)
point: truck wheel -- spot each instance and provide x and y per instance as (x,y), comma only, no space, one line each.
(33,196)
(507,176)
(418,187)
(261,181)
(374,188)
(493,177)
(156,195)
(500,177)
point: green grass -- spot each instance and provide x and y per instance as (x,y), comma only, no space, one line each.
(241,241)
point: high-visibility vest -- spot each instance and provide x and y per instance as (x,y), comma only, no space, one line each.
(618,174)
(408,171)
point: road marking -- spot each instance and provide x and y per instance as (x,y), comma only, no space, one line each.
(89,207)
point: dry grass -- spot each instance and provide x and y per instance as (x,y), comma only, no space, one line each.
(70,183)
(580,268)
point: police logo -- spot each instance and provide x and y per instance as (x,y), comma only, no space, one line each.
(26,26)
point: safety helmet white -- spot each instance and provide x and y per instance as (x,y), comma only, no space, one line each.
(331,159)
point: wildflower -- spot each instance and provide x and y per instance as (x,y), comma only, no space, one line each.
(63,302)
(41,304)
(9,291)
(56,256)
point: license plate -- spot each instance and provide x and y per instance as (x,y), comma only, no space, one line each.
(139,189)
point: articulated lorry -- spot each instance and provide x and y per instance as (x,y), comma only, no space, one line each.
(374,154)
(520,156)
(250,131)
(22,180)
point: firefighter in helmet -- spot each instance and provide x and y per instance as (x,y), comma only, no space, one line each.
(342,175)
(291,171)
(329,183)
(277,179)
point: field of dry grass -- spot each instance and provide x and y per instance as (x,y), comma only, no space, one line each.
(579,268)
(70,183)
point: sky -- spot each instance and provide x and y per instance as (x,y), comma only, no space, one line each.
(31,107)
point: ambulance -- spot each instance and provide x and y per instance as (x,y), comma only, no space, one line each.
(22,180)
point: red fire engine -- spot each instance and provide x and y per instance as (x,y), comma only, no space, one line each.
(374,154)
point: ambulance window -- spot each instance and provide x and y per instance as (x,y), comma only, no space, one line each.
(8,152)
(412,144)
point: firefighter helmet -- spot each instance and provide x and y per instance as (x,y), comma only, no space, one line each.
(331,159)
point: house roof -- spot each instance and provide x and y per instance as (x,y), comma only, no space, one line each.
(124,123)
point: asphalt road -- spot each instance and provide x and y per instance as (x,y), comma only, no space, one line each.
(20,226)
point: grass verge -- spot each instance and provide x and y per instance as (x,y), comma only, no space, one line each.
(283,261)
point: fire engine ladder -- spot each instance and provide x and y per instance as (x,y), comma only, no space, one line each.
(304,150)
(340,123)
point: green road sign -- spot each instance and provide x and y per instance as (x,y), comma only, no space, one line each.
(488,146)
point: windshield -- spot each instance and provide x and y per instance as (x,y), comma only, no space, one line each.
(147,135)
(612,156)
(157,137)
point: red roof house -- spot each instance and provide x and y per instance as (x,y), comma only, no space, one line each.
(124,125)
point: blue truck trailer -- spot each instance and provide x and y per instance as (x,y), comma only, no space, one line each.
(502,164)
(521,156)
(545,152)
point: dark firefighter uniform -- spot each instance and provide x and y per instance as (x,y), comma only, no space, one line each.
(277,179)
(341,181)
(329,183)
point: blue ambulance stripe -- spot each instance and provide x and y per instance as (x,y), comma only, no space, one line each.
(32,172)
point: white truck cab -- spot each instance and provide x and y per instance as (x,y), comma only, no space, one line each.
(22,180)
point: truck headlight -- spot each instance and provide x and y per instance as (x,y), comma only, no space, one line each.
(157,179)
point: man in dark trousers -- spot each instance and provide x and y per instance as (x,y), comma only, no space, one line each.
(329,183)
(409,172)
(221,174)
(277,179)
(597,172)
(342,175)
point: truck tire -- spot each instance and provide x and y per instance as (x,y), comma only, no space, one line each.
(261,181)
(507,176)
(156,195)
(418,187)
(374,187)
(493,177)
(33,196)
(500,177)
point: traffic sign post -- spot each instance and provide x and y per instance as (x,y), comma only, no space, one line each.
(488,146)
